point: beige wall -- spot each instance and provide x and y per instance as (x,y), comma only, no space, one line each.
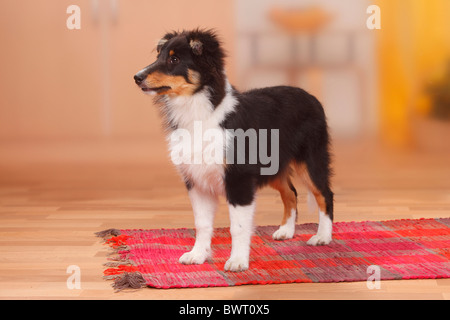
(60,83)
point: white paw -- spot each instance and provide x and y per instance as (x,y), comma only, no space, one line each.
(194,257)
(237,264)
(284,232)
(319,240)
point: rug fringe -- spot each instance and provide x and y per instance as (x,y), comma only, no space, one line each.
(121,268)
(119,262)
(108,233)
(127,280)
(112,264)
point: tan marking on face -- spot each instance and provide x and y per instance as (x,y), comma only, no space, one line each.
(178,84)
(194,77)
(171,53)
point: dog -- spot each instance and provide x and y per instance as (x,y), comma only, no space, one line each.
(190,87)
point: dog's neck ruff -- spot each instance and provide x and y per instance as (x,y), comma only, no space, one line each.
(196,114)
(183,111)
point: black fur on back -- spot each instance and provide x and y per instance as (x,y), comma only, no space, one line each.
(303,138)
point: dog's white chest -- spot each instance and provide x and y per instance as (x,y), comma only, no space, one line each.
(205,176)
(197,145)
(198,152)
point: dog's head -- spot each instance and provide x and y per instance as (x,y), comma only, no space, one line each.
(186,62)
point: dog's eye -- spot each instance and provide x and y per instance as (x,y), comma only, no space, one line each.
(174,60)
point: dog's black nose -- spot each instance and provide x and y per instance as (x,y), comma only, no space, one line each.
(138,78)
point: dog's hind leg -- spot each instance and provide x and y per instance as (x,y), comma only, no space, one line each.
(316,180)
(289,196)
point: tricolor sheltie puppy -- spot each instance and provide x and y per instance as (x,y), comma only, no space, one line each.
(191,89)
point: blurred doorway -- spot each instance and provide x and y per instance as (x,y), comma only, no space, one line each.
(322,46)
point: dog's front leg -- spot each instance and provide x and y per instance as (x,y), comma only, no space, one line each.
(241,229)
(204,205)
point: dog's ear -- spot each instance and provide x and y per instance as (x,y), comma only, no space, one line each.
(163,41)
(196,46)
(160,44)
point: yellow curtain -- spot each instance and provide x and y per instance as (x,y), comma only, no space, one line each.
(413,50)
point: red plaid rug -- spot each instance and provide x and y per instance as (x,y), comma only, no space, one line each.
(402,249)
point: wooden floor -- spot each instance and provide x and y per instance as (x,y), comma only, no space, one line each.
(55,194)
